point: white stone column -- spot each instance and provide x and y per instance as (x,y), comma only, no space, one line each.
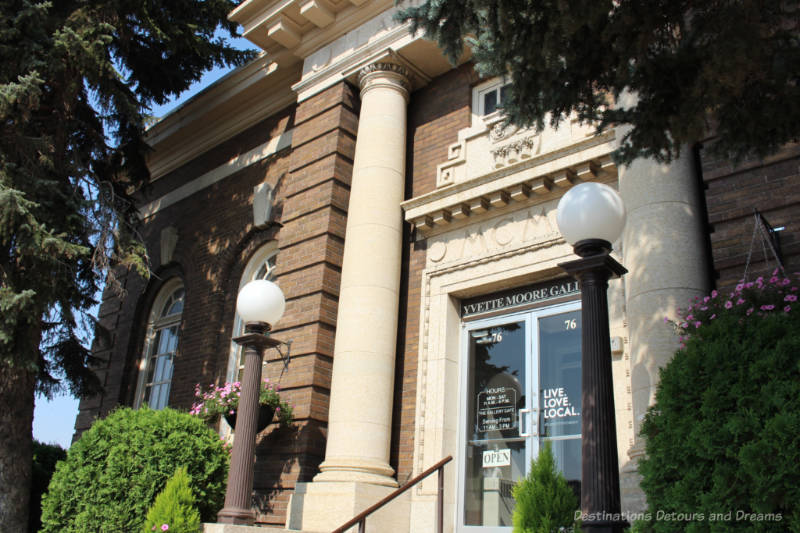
(356,471)
(362,387)
(664,249)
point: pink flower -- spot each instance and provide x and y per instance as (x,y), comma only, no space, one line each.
(739,287)
(164,527)
(787,308)
(728,304)
(706,299)
(704,308)
(714,294)
(773,279)
(230,412)
(740,301)
(749,311)
(666,320)
(790,298)
(698,324)
(277,410)
(767,307)
(713,316)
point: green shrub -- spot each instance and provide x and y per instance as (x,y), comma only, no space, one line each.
(723,438)
(45,457)
(174,507)
(544,501)
(113,473)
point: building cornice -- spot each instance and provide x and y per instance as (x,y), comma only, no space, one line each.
(241,99)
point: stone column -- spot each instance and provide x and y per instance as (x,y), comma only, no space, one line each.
(359,422)
(664,250)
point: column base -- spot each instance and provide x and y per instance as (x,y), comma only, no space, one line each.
(324,506)
(358,470)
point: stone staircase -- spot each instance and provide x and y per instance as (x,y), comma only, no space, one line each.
(228,528)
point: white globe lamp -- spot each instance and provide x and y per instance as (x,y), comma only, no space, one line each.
(260,301)
(591,214)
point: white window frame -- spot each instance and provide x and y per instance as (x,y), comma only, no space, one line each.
(158,322)
(260,258)
(478,92)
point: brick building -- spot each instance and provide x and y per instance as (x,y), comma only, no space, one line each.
(377,185)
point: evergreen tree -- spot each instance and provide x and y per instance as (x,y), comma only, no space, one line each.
(77,81)
(695,66)
(174,507)
(544,501)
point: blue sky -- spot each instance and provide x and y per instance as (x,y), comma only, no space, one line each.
(54,420)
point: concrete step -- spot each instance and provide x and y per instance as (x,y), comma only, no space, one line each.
(228,528)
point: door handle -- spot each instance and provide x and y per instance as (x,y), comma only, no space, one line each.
(522,433)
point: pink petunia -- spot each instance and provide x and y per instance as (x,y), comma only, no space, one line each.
(774,279)
(767,307)
(164,527)
(713,316)
(790,298)
(749,311)
(714,294)
(728,304)
(787,308)
(698,324)
(740,301)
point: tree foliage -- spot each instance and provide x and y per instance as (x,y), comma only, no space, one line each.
(113,473)
(544,501)
(695,66)
(723,450)
(77,81)
(174,507)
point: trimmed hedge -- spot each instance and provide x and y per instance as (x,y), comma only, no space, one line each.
(113,473)
(723,438)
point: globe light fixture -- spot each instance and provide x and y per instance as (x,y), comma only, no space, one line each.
(260,305)
(591,216)
(260,301)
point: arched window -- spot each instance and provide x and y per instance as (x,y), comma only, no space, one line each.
(260,266)
(161,343)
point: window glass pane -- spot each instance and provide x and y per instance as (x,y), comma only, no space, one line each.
(503,95)
(174,304)
(490,102)
(560,374)
(495,451)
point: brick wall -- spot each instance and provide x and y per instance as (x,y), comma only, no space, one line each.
(311,241)
(215,236)
(771,186)
(435,114)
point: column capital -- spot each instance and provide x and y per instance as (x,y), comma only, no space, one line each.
(386,75)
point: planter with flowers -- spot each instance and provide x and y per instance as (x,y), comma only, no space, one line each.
(224,400)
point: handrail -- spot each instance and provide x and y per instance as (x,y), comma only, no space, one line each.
(361,518)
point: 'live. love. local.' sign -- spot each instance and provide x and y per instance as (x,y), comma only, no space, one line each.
(519,297)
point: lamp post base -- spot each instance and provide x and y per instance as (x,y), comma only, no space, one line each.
(245,517)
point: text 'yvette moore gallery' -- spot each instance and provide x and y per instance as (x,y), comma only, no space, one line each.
(414,236)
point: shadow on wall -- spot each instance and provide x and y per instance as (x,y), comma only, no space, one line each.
(277,456)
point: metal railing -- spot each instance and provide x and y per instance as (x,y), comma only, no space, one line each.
(361,518)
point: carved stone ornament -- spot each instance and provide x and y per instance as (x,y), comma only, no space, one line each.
(501,131)
(513,152)
(384,75)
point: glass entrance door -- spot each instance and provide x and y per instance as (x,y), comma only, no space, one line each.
(521,388)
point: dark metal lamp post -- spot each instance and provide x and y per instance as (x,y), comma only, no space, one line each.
(260,305)
(591,216)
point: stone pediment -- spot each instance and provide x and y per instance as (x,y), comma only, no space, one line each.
(497,166)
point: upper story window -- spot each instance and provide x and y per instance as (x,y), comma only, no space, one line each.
(490,96)
(260,266)
(161,344)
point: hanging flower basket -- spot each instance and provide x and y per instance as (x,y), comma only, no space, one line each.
(224,401)
(265,415)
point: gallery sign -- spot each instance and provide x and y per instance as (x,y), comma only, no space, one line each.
(519,297)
